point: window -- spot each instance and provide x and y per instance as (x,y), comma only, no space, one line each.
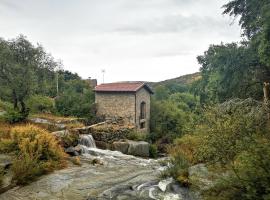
(143,110)
(142,125)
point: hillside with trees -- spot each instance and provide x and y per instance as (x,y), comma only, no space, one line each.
(215,121)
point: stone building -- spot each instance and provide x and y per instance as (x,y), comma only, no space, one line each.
(128,100)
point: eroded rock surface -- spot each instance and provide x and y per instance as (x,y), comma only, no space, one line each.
(119,177)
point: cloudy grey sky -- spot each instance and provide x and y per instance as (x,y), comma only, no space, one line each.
(148,40)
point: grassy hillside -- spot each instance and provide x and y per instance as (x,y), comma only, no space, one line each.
(185,80)
(177,84)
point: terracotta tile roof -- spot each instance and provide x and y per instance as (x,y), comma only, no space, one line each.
(122,87)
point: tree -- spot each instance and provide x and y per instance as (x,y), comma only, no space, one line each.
(161,93)
(229,71)
(21,64)
(255,23)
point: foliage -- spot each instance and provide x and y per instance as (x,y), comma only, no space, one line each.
(230,129)
(153,151)
(4,105)
(69,140)
(179,170)
(229,71)
(233,137)
(173,117)
(136,136)
(37,152)
(161,93)
(255,23)
(14,116)
(20,66)
(77,100)
(40,104)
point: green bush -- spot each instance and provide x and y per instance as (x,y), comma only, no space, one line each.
(77,104)
(13,116)
(179,170)
(40,104)
(153,151)
(136,136)
(4,105)
(231,138)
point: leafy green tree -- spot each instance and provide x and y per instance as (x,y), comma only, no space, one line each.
(20,64)
(255,23)
(161,93)
(229,71)
(76,99)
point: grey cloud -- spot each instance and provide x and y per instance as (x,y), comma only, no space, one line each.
(173,24)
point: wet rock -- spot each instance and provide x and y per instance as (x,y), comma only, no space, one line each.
(164,184)
(121,146)
(138,148)
(72,151)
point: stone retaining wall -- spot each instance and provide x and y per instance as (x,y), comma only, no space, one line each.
(106,132)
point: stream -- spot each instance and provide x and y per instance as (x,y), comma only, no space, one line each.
(104,174)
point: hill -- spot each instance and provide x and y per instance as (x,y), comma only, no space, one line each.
(179,83)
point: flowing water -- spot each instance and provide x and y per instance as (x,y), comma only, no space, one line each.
(116,176)
(87,141)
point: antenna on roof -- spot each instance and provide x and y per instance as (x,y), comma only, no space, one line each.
(103,74)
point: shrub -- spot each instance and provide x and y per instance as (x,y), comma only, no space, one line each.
(69,139)
(178,170)
(136,136)
(186,146)
(13,116)
(40,104)
(4,105)
(233,138)
(79,104)
(25,169)
(37,152)
(153,151)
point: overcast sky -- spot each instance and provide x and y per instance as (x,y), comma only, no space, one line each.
(149,40)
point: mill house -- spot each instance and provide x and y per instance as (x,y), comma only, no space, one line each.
(128,100)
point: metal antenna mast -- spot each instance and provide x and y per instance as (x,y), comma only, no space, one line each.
(103,74)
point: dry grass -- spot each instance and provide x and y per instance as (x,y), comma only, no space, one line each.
(54,118)
(187,147)
(4,129)
(37,152)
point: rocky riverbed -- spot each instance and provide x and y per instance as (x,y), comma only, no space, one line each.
(114,176)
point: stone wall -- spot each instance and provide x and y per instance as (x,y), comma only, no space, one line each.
(143,96)
(113,105)
(106,133)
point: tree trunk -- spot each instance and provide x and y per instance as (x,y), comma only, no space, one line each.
(15,100)
(23,108)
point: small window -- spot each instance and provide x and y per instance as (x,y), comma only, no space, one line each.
(142,125)
(143,110)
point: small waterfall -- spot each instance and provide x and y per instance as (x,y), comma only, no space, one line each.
(87,141)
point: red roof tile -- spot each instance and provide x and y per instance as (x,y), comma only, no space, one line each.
(122,87)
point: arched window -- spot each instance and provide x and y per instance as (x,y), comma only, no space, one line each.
(143,110)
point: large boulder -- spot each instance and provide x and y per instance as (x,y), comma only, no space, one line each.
(121,146)
(140,148)
(135,148)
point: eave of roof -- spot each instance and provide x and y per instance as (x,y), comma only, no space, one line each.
(123,87)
